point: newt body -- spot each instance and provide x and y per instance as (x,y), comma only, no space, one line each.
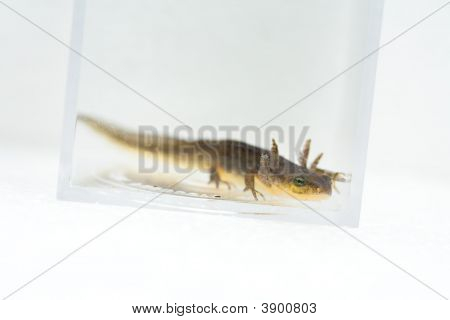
(228,161)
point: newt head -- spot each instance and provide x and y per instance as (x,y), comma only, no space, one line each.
(308,186)
(300,181)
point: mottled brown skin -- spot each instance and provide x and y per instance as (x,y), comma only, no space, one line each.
(228,160)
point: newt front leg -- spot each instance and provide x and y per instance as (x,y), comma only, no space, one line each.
(249,180)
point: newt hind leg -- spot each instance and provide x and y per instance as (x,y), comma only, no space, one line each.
(250,185)
(214,176)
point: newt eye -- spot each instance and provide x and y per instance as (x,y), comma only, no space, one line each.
(299,181)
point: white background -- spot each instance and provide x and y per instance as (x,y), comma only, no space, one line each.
(174,256)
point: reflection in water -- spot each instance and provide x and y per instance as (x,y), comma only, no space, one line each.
(195,186)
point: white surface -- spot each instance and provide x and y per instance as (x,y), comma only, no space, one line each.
(167,255)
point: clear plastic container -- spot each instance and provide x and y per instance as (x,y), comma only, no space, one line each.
(250,71)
